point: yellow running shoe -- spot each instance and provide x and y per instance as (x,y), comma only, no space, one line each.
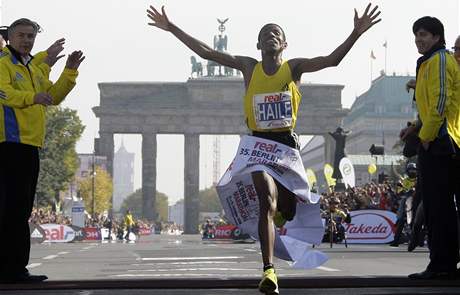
(279,220)
(269,282)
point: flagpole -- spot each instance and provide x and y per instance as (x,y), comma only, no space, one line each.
(386,46)
(371,71)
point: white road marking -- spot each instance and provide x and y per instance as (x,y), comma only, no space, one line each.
(174,275)
(62,253)
(190,269)
(184,263)
(251,250)
(327,268)
(33,265)
(189,258)
(49,257)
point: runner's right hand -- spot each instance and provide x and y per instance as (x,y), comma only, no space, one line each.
(43,98)
(160,20)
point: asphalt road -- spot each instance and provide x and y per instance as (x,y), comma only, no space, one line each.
(187,265)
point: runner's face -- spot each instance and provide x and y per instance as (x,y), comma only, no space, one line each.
(424,41)
(271,39)
(23,39)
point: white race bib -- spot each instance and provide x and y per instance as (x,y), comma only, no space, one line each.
(273,110)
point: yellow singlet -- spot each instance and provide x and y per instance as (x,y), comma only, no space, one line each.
(271,102)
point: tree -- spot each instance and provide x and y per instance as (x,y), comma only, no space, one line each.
(102,191)
(58,158)
(209,201)
(134,203)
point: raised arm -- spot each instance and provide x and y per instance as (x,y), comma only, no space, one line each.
(161,20)
(361,25)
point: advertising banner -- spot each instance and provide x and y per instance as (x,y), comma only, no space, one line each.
(145,231)
(78,214)
(227,232)
(371,227)
(348,172)
(79,233)
(92,234)
(58,233)
(37,234)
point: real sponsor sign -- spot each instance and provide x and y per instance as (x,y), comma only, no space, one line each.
(37,234)
(371,227)
(58,233)
(273,110)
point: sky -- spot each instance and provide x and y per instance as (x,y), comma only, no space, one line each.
(120,46)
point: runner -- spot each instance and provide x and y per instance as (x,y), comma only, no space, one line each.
(270,105)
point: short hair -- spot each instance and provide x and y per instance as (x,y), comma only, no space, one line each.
(271,24)
(432,25)
(24,22)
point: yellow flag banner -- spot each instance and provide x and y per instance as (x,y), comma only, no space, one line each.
(328,171)
(372,168)
(311,177)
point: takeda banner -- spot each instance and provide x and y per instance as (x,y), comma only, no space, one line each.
(371,227)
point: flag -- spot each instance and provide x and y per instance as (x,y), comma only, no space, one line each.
(372,54)
(385,44)
(328,171)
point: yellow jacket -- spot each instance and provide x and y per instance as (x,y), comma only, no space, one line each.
(21,120)
(437,96)
(129,221)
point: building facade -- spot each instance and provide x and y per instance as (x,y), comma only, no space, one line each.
(123,176)
(376,117)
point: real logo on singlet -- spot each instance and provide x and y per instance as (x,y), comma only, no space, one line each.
(273,110)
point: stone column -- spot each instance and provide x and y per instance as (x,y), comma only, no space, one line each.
(149,176)
(191,182)
(329,149)
(105,148)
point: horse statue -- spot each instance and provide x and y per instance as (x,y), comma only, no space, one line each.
(197,67)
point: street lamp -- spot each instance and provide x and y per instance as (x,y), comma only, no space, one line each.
(93,182)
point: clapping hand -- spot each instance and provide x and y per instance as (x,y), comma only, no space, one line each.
(53,52)
(74,60)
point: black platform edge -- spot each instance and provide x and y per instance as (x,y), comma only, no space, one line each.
(240,283)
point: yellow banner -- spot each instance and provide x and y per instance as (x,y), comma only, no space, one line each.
(328,171)
(372,168)
(311,177)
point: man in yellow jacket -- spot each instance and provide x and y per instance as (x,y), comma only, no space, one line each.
(25,92)
(129,222)
(437,94)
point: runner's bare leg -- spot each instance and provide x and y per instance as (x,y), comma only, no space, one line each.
(267,192)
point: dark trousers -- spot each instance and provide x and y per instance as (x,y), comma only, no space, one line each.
(439,177)
(19,168)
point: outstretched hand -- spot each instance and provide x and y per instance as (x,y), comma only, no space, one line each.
(53,52)
(74,60)
(160,20)
(367,20)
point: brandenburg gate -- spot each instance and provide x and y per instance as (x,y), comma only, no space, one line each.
(202,105)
